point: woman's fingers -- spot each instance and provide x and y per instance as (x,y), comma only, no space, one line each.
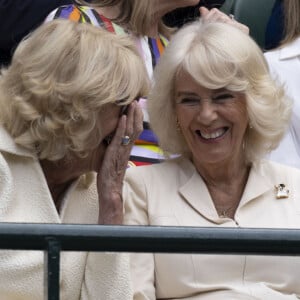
(111,175)
(215,15)
(130,125)
(134,124)
(138,120)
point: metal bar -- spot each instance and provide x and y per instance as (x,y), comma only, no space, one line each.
(151,239)
(51,270)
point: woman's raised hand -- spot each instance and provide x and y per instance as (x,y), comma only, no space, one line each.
(110,176)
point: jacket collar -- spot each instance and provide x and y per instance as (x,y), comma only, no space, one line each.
(195,191)
(7,144)
(40,202)
(290,50)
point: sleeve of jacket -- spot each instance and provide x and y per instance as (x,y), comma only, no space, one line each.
(19,269)
(136,213)
(107,277)
(6,187)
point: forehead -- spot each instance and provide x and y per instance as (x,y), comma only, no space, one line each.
(185,83)
(182,77)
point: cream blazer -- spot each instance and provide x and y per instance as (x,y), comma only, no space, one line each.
(24,197)
(174,194)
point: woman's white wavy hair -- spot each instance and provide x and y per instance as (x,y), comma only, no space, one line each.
(218,55)
(59,80)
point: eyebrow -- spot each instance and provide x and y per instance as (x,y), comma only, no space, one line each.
(188,93)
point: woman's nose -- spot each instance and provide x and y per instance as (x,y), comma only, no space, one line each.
(207,113)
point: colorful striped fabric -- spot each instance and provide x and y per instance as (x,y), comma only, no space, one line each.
(84,14)
(157,47)
(146,150)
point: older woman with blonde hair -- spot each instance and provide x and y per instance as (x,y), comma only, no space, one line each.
(68,121)
(215,107)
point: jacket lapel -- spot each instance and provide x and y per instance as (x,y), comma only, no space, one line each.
(257,185)
(195,192)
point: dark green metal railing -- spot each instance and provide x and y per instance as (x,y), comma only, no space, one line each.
(54,238)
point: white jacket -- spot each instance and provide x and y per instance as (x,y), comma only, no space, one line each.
(25,197)
(173,194)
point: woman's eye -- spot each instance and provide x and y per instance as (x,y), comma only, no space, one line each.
(223,97)
(189,101)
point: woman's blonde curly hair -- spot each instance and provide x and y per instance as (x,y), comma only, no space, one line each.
(59,80)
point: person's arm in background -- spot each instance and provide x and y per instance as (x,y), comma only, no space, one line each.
(18,18)
(215,15)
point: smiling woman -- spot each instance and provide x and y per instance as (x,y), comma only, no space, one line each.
(244,74)
(215,106)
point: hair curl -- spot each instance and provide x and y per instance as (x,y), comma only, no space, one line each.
(217,55)
(60,79)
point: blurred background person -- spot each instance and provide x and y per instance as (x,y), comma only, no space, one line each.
(64,147)
(215,105)
(284,65)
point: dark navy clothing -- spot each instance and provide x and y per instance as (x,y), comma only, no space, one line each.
(181,16)
(18,18)
(275,26)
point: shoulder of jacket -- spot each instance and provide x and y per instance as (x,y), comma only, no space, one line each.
(163,167)
(280,171)
(272,54)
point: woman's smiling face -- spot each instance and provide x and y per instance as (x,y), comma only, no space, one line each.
(213,122)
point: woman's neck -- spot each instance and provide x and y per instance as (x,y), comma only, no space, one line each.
(58,177)
(223,174)
(226,183)
(110,12)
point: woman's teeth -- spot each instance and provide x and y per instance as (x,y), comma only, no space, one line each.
(213,135)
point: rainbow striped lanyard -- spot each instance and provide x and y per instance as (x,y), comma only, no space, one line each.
(85,14)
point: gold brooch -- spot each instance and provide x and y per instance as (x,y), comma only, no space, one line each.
(281,191)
